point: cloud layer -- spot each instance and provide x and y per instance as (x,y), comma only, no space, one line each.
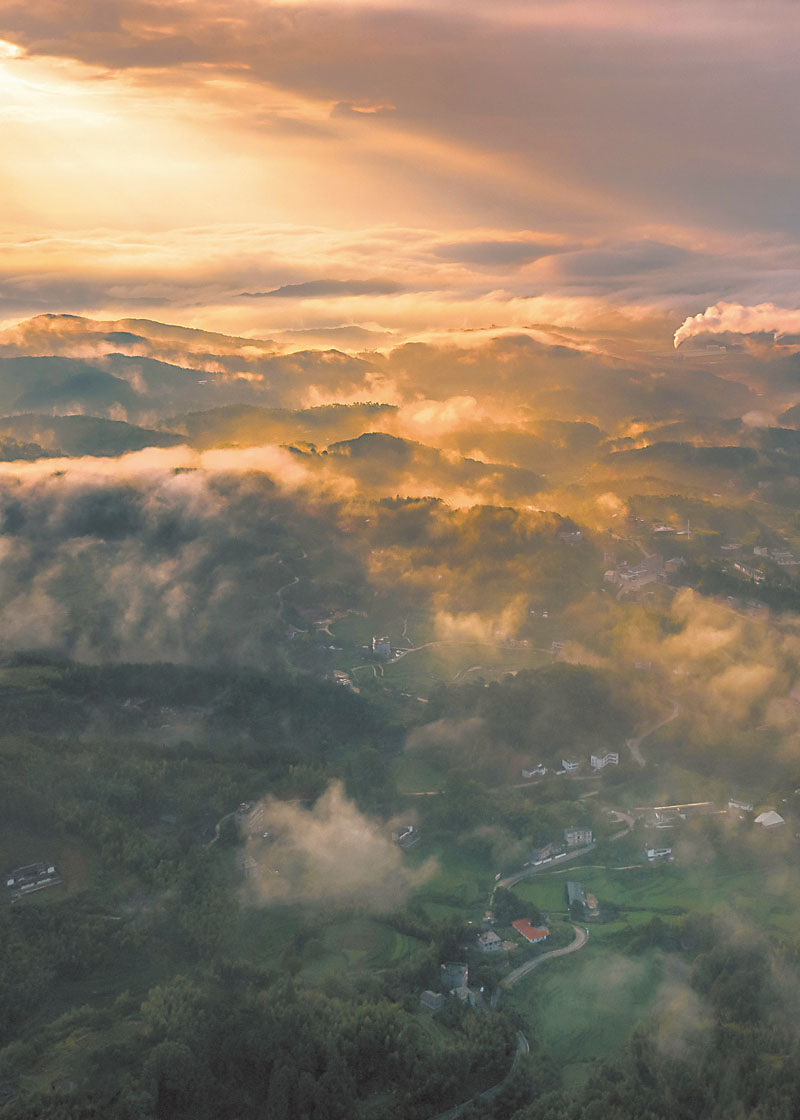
(401,166)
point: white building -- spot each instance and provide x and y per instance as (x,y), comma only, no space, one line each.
(742,806)
(770,819)
(567,765)
(659,853)
(536,772)
(599,761)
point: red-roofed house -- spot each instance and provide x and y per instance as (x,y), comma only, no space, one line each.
(529,932)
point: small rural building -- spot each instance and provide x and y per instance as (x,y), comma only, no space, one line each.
(568,765)
(658,853)
(31,878)
(600,761)
(666,818)
(531,933)
(536,772)
(382,647)
(744,806)
(770,819)
(575,837)
(406,837)
(454,975)
(749,572)
(431,1002)
(490,942)
(575,895)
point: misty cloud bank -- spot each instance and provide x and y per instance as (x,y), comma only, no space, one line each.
(159,563)
(330,855)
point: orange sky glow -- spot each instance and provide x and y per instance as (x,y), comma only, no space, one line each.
(411,168)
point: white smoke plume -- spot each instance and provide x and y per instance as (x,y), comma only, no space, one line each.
(739,319)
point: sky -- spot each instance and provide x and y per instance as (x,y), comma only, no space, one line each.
(409,167)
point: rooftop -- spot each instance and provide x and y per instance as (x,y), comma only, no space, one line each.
(529,932)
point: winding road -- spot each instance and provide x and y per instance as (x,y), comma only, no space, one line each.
(490,1094)
(634,744)
(581,937)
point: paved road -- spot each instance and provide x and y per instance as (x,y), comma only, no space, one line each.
(633,744)
(490,1094)
(553,865)
(581,937)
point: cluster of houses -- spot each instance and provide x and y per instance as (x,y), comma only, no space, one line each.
(31,878)
(454,975)
(783,557)
(569,765)
(633,576)
(455,982)
(662,817)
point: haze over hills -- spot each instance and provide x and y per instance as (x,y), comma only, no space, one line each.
(342,591)
(399,560)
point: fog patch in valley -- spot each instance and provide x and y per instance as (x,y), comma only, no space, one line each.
(330,854)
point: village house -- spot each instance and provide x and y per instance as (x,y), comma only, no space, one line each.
(750,573)
(406,837)
(490,942)
(382,647)
(341,678)
(577,837)
(739,808)
(532,934)
(575,895)
(536,772)
(567,765)
(666,818)
(431,1002)
(632,577)
(600,761)
(454,975)
(770,819)
(658,853)
(31,878)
